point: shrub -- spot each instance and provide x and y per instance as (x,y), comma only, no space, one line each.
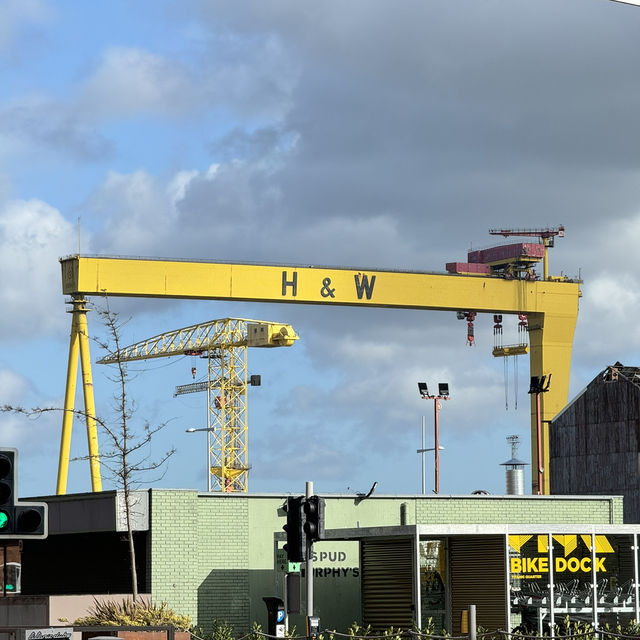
(133,613)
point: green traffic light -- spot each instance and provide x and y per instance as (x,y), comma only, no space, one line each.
(4,520)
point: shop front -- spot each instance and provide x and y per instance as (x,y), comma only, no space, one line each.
(587,577)
(520,577)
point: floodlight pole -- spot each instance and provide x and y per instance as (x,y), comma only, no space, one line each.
(539,441)
(538,386)
(422,452)
(436,445)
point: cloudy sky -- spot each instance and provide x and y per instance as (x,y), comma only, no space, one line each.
(373,134)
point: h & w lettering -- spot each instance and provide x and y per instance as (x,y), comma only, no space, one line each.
(364,285)
(290,283)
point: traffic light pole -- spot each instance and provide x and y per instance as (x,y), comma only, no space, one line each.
(305,525)
(309,567)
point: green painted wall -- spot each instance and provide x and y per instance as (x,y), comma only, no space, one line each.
(212,555)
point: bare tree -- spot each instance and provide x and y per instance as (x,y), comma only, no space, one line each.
(125,457)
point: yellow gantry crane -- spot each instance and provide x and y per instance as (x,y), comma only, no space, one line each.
(551,305)
(224,343)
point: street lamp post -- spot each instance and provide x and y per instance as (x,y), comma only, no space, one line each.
(208,431)
(443,394)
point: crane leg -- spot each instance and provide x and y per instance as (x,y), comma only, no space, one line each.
(78,345)
(69,400)
(551,339)
(89,403)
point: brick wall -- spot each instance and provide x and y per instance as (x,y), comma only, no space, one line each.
(175,547)
(518,510)
(212,555)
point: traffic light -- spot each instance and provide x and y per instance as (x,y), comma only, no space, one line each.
(18,520)
(7,483)
(10,578)
(314,524)
(295,547)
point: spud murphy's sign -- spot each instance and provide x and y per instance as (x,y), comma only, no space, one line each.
(529,565)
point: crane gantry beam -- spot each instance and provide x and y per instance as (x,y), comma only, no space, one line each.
(551,305)
(224,343)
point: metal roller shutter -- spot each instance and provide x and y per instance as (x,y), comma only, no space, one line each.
(477,571)
(387,583)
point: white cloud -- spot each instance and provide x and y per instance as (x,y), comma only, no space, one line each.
(13,387)
(177,187)
(15,14)
(37,121)
(616,298)
(131,81)
(33,235)
(253,78)
(608,328)
(136,214)
(28,434)
(238,204)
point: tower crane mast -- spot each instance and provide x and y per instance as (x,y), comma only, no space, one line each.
(224,343)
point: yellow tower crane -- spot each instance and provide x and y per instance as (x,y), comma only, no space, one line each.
(551,305)
(224,343)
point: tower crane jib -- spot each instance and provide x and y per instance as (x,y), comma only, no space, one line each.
(224,343)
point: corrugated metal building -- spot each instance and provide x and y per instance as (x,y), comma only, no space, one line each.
(594,442)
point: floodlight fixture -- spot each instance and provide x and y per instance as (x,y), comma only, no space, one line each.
(423,390)
(539,384)
(255,381)
(443,389)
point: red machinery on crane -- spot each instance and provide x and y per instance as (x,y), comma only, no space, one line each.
(547,237)
(510,261)
(513,260)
